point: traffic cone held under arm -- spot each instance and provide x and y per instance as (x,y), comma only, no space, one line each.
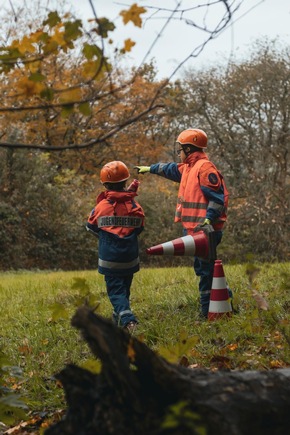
(199,245)
(219,304)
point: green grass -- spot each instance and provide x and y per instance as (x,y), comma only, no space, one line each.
(36,334)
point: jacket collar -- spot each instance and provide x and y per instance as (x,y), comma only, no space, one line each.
(194,157)
(115,196)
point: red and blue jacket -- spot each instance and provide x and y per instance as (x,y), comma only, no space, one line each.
(117,219)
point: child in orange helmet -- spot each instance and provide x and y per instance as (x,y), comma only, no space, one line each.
(202,199)
(117,219)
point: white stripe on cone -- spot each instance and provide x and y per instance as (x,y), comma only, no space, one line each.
(168,248)
(219,283)
(219,307)
(189,245)
(219,303)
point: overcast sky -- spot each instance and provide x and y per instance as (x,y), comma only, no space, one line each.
(254,19)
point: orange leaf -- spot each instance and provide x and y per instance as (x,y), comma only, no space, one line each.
(275,364)
(29,88)
(133,14)
(128,44)
(131,352)
(232,346)
(25,349)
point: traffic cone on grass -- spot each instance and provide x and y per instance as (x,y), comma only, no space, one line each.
(191,245)
(219,304)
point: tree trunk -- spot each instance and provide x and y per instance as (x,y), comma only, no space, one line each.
(138,392)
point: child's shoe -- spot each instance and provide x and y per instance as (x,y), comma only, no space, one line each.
(131,327)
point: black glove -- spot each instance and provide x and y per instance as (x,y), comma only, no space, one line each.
(206,227)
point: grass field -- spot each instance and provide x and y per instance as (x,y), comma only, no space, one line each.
(38,340)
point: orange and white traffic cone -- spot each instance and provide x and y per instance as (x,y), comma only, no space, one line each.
(219,304)
(192,245)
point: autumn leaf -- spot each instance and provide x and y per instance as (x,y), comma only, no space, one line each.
(59,38)
(72,30)
(128,44)
(104,26)
(33,67)
(131,352)
(232,347)
(133,14)
(95,68)
(94,366)
(52,20)
(50,47)
(276,364)
(175,352)
(47,94)
(71,96)
(37,77)
(66,111)
(58,312)
(38,36)
(25,350)
(85,109)
(261,302)
(91,50)
(25,45)
(29,87)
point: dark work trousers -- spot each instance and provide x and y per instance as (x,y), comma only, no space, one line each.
(118,289)
(204,269)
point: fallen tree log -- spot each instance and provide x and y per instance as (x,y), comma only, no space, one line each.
(138,392)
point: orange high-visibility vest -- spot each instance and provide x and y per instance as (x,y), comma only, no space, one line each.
(192,204)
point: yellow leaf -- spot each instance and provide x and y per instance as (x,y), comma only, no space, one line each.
(33,67)
(93,69)
(29,88)
(58,37)
(71,96)
(36,36)
(24,46)
(93,366)
(128,44)
(133,14)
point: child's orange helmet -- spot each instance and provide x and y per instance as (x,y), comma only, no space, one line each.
(193,136)
(114,172)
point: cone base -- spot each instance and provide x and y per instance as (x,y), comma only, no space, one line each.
(214,316)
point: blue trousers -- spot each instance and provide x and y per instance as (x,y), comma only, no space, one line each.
(204,269)
(118,289)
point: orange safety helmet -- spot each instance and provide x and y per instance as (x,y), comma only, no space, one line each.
(193,136)
(114,172)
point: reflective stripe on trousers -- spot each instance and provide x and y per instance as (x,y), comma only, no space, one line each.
(118,289)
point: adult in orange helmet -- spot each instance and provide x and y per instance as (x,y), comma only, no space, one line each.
(117,219)
(202,198)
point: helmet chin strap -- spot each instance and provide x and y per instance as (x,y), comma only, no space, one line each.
(187,153)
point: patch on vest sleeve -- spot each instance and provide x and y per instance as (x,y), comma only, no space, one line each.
(212,178)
